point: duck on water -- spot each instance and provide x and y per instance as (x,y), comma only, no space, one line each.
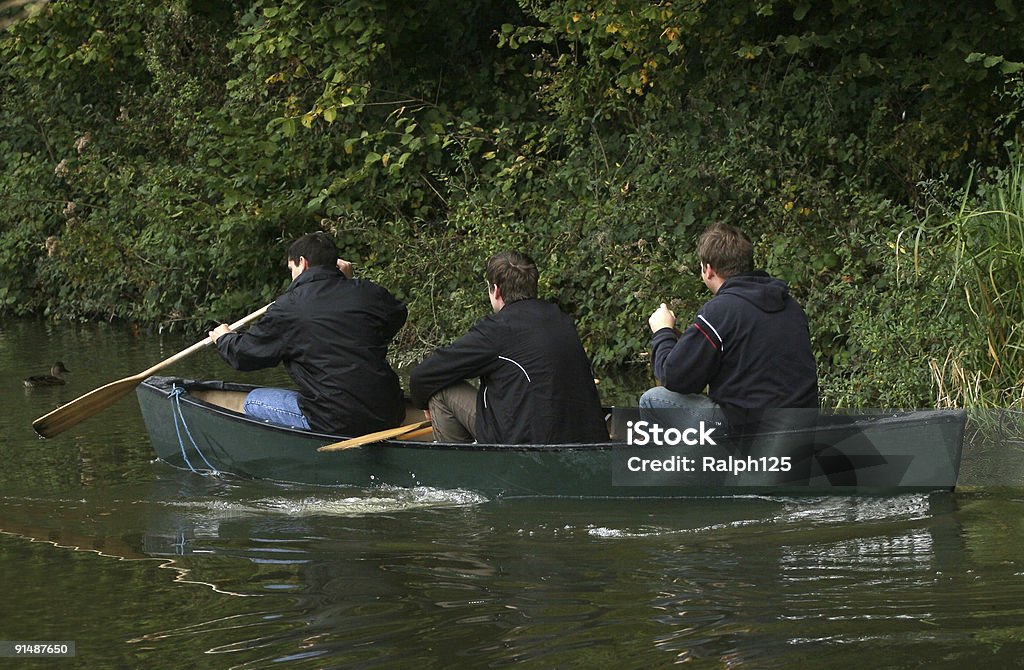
(52,379)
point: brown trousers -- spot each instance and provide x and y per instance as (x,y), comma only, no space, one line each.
(453,412)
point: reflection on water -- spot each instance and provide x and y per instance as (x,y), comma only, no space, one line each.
(271,574)
(146,566)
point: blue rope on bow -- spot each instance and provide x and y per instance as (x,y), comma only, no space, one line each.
(175,397)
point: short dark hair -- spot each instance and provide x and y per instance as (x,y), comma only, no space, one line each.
(316,248)
(726,249)
(515,273)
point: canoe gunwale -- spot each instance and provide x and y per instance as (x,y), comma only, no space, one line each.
(880,420)
(164,384)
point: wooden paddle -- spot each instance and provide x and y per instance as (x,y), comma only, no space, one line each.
(93,402)
(416,433)
(388,434)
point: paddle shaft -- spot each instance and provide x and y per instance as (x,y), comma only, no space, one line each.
(93,402)
(379,436)
(167,362)
(417,433)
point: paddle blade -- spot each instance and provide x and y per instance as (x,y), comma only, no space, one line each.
(380,435)
(81,408)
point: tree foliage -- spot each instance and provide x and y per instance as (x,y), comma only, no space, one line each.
(157,156)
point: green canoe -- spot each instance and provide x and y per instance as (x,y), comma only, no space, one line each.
(198,426)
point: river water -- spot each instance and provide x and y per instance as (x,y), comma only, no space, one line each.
(145,566)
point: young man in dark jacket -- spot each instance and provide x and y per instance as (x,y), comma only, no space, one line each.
(536,384)
(749,345)
(332,333)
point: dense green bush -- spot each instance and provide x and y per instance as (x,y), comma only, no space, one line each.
(157,157)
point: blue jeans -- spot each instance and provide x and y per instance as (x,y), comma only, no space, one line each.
(668,408)
(277,406)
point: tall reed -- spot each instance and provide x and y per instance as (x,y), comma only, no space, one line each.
(984,239)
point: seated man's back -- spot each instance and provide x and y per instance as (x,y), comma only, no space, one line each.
(536,384)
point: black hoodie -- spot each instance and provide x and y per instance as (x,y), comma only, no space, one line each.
(749,345)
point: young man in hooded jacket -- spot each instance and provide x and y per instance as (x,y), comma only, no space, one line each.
(749,345)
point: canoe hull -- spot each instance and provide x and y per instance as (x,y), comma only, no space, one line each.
(915,453)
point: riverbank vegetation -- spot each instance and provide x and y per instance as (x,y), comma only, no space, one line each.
(157,157)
